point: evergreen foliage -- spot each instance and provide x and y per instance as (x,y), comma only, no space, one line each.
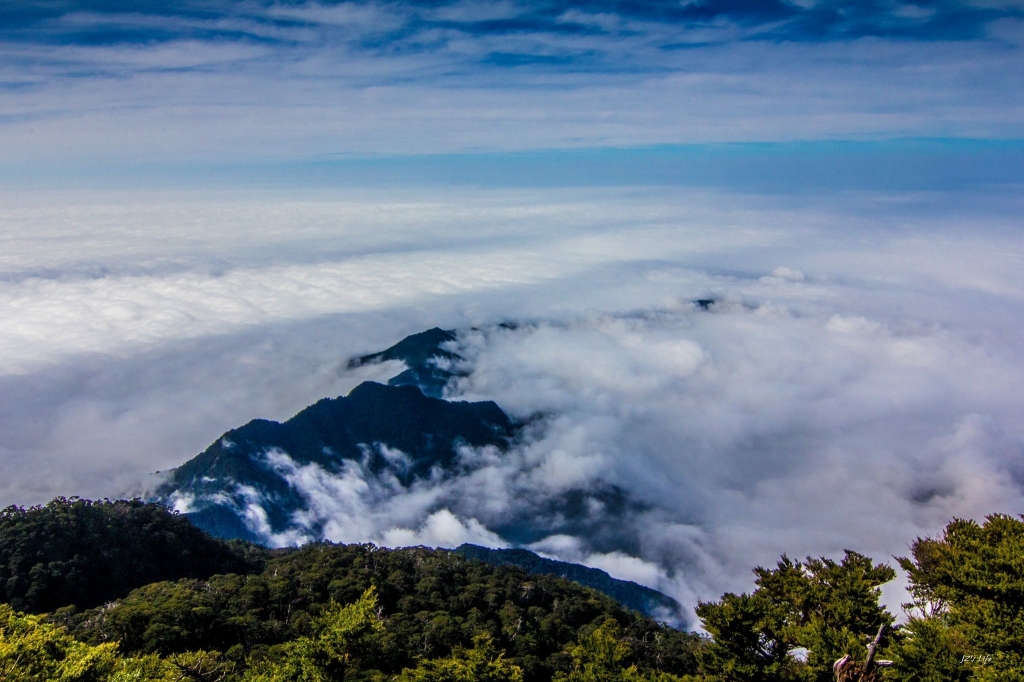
(84,553)
(602,654)
(481,663)
(344,643)
(32,650)
(358,613)
(830,609)
(347,643)
(968,589)
(433,602)
(637,597)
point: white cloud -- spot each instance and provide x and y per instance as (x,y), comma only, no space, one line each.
(204,267)
(857,404)
(305,95)
(443,529)
(788,274)
(627,567)
(355,505)
(86,315)
(362,18)
(475,10)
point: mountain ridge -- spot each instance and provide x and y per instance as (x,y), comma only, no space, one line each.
(364,427)
(646,600)
(404,432)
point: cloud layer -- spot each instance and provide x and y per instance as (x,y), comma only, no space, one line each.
(856,382)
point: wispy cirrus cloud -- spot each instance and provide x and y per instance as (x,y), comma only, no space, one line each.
(107,83)
(774,19)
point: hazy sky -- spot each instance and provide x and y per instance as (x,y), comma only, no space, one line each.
(206,208)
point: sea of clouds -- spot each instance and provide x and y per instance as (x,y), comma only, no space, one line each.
(855,384)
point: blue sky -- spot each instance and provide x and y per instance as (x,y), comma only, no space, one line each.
(413,25)
(88,85)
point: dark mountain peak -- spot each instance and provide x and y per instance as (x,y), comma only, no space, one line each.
(413,350)
(265,481)
(428,365)
(380,428)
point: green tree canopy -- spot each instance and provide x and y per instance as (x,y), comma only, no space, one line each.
(85,553)
(968,604)
(481,663)
(32,650)
(828,608)
(433,603)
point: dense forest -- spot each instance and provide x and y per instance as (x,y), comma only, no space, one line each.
(87,553)
(129,592)
(637,597)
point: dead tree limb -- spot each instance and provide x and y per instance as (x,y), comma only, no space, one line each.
(847,670)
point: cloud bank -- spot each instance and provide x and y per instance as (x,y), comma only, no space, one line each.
(854,384)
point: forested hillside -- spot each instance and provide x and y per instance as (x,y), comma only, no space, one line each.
(316,613)
(431,602)
(634,596)
(74,551)
(359,612)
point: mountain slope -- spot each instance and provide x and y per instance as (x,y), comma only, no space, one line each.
(351,468)
(392,429)
(86,553)
(631,595)
(431,602)
(428,362)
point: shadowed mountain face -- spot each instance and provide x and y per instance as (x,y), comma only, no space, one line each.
(254,481)
(327,471)
(425,429)
(429,363)
(392,429)
(239,487)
